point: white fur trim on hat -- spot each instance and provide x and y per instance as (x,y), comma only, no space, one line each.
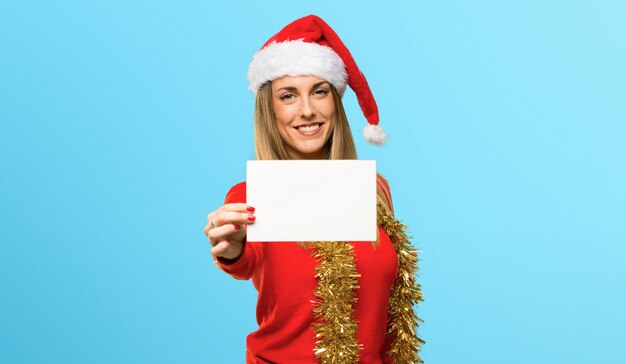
(374,134)
(296,58)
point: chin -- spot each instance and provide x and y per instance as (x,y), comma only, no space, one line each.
(310,150)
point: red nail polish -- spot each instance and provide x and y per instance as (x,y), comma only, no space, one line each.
(251,217)
(229,240)
(236,226)
(250,208)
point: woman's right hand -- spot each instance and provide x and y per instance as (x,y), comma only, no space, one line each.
(226,229)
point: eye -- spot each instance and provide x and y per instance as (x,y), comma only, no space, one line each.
(321,91)
(287,97)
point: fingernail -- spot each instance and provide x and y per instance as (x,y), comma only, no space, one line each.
(250,208)
(251,217)
(229,240)
(236,226)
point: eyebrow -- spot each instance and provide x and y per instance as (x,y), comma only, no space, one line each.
(292,88)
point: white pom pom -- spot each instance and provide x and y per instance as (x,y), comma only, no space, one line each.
(374,134)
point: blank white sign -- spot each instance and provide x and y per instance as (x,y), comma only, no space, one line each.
(312,200)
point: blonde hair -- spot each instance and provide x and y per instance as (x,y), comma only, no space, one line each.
(268,144)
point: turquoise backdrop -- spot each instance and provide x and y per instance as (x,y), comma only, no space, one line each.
(124,123)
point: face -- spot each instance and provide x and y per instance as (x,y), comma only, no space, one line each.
(305,115)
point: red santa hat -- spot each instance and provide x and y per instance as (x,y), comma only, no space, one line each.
(309,46)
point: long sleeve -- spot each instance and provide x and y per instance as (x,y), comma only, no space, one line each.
(244,266)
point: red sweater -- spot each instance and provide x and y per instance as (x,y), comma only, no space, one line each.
(283,274)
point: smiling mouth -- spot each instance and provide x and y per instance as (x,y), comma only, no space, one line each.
(308,128)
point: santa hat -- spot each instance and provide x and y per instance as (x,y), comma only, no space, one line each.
(309,46)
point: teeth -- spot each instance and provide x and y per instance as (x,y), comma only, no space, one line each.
(309,128)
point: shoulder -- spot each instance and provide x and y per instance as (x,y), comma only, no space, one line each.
(236,194)
(382,182)
(382,187)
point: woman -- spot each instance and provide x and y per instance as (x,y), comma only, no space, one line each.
(329,302)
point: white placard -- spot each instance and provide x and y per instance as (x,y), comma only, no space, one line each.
(312,200)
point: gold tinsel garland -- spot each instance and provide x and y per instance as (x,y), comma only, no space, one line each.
(335,325)
(406,292)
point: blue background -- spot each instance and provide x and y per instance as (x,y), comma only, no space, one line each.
(123,124)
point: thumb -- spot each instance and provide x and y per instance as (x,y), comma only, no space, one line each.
(220,248)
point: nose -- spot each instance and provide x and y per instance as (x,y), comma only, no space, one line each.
(307,111)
